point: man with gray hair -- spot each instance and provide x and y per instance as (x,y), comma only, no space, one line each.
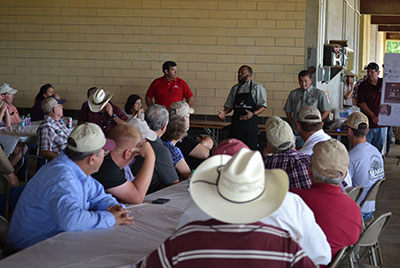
(337,214)
(164,171)
(52,132)
(281,143)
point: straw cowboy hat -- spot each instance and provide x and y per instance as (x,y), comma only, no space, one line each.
(238,189)
(99,100)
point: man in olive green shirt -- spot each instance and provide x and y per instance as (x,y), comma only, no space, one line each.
(306,95)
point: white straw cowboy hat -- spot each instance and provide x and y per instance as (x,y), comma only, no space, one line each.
(98,100)
(238,189)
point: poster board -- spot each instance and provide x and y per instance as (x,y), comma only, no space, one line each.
(389,112)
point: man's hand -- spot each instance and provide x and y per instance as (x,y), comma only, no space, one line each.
(374,119)
(221,115)
(122,216)
(109,109)
(247,116)
(3,107)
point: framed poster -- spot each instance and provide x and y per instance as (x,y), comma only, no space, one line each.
(389,112)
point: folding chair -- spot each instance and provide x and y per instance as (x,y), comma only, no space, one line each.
(355,192)
(368,240)
(3,235)
(373,192)
(338,258)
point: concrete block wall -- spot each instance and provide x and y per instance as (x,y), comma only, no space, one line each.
(120,45)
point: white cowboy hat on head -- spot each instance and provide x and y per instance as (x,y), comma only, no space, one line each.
(238,189)
(98,100)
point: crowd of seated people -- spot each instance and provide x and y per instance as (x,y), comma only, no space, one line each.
(116,157)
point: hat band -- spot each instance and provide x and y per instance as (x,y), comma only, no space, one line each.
(101,102)
(224,197)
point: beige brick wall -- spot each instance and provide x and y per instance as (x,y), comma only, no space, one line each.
(120,45)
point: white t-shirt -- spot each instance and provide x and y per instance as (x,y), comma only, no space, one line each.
(308,146)
(347,102)
(294,216)
(366,168)
(316,137)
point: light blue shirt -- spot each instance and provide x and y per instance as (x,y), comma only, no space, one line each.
(60,197)
(366,168)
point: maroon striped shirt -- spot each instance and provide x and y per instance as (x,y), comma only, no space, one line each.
(215,244)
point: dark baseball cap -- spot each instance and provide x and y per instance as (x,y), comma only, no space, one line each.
(372,66)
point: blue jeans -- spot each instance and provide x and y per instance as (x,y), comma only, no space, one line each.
(389,139)
(377,136)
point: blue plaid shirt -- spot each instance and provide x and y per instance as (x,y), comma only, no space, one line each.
(175,152)
(295,164)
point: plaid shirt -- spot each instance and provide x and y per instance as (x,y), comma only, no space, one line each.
(175,152)
(53,135)
(295,164)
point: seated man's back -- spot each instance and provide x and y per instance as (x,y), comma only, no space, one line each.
(164,171)
(233,245)
(293,216)
(63,196)
(47,205)
(337,214)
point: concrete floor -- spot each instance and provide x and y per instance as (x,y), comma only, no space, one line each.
(389,200)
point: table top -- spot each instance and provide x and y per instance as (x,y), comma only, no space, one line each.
(114,247)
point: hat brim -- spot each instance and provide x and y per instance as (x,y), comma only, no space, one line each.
(98,107)
(151,135)
(12,91)
(204,193)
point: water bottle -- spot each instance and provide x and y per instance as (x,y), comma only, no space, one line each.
(28,120)
(22,122)
(69,122)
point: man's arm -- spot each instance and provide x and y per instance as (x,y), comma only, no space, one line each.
(190,101)
(202,149)
(49,155)
(325,115)
(149,101)
(290,119)
(223,113)
(183,169)
(365,109)
(250,114)
(134,192)
(67,205)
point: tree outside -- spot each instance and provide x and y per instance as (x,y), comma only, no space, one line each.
(393,46)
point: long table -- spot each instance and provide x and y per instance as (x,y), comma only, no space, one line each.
(213,128)
(114,247)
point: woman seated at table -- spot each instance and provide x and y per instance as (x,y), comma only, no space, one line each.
(46,90)
(176,130)
(133,107)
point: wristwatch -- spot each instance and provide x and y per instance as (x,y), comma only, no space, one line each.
(114,115)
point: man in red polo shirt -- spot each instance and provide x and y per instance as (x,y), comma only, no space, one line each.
(169,88)
(335,212)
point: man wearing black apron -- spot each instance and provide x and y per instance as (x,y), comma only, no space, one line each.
(247,99)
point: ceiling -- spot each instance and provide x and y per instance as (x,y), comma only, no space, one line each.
(385,14)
